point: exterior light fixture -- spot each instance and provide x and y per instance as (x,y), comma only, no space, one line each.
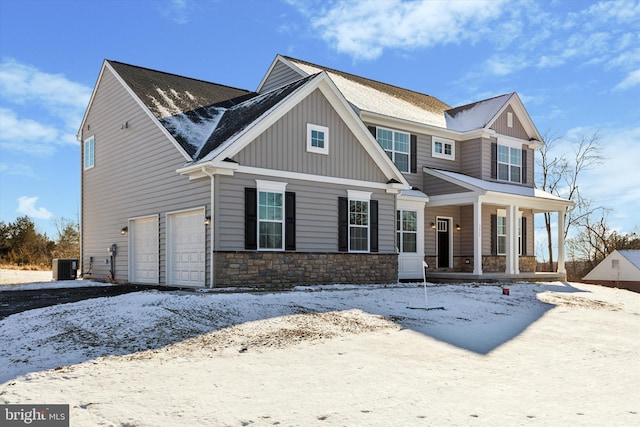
(433,225)
(458,227)
(207,220)
(125,230)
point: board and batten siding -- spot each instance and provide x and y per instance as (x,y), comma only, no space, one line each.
(280,75)
(316,213)
(516,131)
(134,176)
(284,145)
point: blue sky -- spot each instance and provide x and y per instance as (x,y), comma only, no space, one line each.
(575,64)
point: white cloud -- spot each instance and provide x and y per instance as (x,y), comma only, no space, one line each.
(27,206)
(177,10)
(364,28)
(18,170)
(631,80)
(22,83)
(29,136)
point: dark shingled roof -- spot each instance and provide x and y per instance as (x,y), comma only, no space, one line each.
(237,118)
(421,100)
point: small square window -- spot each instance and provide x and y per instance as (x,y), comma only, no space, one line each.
(443,148)
(317,139)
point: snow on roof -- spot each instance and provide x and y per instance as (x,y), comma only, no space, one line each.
(476,115)
(497,187)
(369,98)
(632,255)
(192,127)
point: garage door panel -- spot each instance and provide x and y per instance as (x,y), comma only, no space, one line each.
(144,254)
(186,248)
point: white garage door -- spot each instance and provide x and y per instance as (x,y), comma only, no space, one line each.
(143,247)
(186,248)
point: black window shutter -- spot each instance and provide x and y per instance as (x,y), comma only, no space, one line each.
(494,160)
(372,129)
(343,224)
(290,221)
(373,227)
(524,165)
(414,154)
(524,236)
(494,234)
(250,218)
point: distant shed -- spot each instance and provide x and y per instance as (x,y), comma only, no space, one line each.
(620,269)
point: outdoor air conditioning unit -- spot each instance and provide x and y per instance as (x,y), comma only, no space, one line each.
(65,269)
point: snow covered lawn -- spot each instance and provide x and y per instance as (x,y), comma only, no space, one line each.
(335,355)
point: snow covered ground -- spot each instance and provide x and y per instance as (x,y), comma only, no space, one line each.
(547,354)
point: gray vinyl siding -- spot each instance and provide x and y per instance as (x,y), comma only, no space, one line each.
(316,213)
(280,75)
(134,176)
(435,186)
(284,145)
(471,157)
(486,158)
(517,131)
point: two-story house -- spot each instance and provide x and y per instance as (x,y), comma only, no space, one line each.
(318,176)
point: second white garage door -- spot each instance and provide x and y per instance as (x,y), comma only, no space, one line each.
(186,248)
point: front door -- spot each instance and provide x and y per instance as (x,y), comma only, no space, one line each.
(444,230)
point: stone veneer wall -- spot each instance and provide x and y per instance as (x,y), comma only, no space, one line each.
(285,269)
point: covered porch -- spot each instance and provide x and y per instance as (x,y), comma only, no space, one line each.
(495,226)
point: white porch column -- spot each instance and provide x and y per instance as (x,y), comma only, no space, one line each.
(509,255)
(515,242)
(477,233)
(561,267)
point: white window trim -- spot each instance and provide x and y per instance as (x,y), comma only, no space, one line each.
(393,148)
(509,119)
(270,187)
(400,232)
(443,141)
(359,196)
(91,139)
(311,127)
(503,213)
(510,146)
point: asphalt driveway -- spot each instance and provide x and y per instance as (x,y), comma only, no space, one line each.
(12,302)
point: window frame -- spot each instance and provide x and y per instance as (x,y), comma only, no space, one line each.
(359,197)
(502,213)
(89,155)
(401,232)
(509,164)
(317,128)
(444,141)
(270,187)
(393,152)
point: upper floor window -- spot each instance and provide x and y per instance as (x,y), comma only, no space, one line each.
(509,163)
(317,139)
(359,221)
(396,145)
(443,148)
(89,152)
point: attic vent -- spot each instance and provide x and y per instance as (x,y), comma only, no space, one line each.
(615,263)
(509,119)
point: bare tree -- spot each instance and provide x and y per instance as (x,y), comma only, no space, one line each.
(559,174)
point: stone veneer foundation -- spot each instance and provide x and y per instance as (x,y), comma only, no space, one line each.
(490,264)
(286,269)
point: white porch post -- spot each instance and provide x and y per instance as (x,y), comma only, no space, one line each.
(561,267)
(515,243)
(509,255)
(477,241)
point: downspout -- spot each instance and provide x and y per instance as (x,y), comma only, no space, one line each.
(213,226)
